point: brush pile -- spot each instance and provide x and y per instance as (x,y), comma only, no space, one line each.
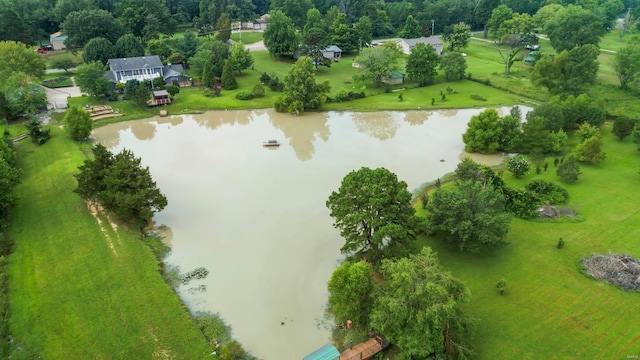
(618,269)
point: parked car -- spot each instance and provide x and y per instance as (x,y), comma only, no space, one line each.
(532,47)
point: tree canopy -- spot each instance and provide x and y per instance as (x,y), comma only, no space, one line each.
(128,46)
(301,91)
(91,80)
(422,64)
(23,95)
(78,123)
(472,217)
(454,66)
(377,63)
(574,26)
(98,49)
(120,184)
(82,26)
(351,293)
(280,36)
(372,209)
(569,72)
(458,36)
(418,308)
(17,57)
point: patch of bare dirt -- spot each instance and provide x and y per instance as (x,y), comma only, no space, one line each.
(96,210)
(618,269)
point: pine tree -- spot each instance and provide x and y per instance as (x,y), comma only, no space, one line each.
(228,79)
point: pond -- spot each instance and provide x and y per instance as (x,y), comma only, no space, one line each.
(255,217)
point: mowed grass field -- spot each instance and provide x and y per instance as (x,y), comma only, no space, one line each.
(551,309)
(81,290)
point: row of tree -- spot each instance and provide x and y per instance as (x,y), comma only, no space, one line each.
(9,177)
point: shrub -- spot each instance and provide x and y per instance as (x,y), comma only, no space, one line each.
(478,97)
(518,165)
(344,95)
(569,170)
(594,115)
(208,93)
(276,85)
(548,192)
(244,95)
(258,90)
(173,90)
(265,79)
(520,203)
(214,328)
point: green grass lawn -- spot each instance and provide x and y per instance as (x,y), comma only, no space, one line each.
(248,36)
(551,309)
(52,55)
(78,291)
(612,41)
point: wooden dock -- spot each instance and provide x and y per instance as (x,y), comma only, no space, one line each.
(365,350)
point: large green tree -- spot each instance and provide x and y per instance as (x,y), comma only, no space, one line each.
(351,293)
(301,91)
(223,28)
(315,38)
(623,127)
(627,64)
(23,95)
(574,26)
(280,36)
(214,52)
(418,308)
(82,26)
(91,80)
(78,123)
(411,29)
(487,132)
(372,209)
(128,46)
(454,66)
(24,20)
(9,177)
(296,10)
(458,36)
(377,63)
(188,44)
(342,35)
(98,49)
(145,18)
(17,57)
(422,64)
(240,58)
(499,15)
(160,48)
(121,185)
(472,217)
(569,72)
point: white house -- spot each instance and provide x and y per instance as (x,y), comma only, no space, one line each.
(407,44)
(143,68)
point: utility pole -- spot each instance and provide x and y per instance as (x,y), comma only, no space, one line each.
(432,26)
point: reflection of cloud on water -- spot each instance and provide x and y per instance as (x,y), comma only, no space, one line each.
(302,131)
(214,119)
(415,118)
(379,125)
(143,130)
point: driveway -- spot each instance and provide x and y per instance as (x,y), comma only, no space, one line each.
(57,98)
(259,46)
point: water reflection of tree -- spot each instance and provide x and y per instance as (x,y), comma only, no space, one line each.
(214,119)
(109,135)
(302,131)
(415,118)
(173,120)
(379,125)
(448,112)
(143,130)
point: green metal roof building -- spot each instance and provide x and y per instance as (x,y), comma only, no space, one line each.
(327,352)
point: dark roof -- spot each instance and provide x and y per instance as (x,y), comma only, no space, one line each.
(173,70)
(140,62)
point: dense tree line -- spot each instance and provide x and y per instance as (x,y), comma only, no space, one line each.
(9,177)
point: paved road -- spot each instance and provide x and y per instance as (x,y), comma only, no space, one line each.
(57,98)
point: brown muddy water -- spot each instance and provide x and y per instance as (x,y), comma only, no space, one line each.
(256,218)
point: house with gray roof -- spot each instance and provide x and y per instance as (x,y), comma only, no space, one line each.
(407,44)
(143,68)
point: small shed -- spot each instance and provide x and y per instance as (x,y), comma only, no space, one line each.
(530,59)
(159,97)
(327,352)
(395,78)
(57,40)
(332,52)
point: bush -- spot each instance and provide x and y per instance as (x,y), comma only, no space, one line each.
(244,95)
(569,170)
(215,330)
(258,90)
(276,85)
(113,96)
(594,115)
(265,78)
(173,90)
(478,97)
(520,203)
(344,95)
(209,93)
(548,192)
(518,165)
